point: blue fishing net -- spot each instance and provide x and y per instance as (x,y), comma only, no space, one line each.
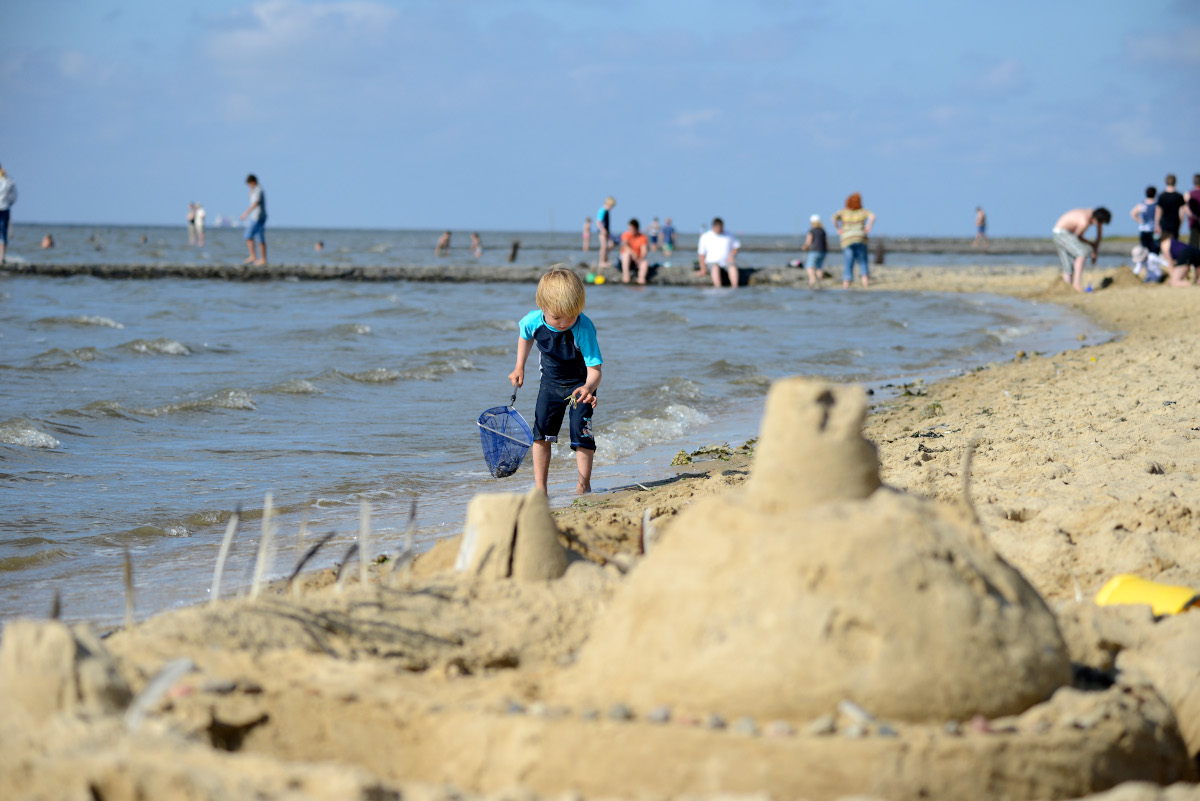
(505,437)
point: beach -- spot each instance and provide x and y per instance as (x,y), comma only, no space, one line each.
(961,656)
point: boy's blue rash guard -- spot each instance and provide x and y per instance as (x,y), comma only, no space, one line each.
(564,356)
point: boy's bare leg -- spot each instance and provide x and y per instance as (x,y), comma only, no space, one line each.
(866,280)
(812,277)
(262,246)
(250,248)
(733,276)
(1078,278)
(625,268)
(715,272)
(541,463)
(583,463)
(643,268)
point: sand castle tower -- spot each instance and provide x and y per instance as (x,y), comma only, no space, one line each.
(815,585)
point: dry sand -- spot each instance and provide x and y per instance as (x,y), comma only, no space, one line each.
(936,670)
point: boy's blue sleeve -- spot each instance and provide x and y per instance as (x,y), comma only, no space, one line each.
(585,338)
(530,323)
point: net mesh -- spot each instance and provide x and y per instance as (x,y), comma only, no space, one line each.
(506,438)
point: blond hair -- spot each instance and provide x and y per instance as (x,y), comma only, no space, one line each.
(560,292)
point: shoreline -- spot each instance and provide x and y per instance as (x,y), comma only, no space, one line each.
(1086,464)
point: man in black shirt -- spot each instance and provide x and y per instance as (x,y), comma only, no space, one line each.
(1169,216)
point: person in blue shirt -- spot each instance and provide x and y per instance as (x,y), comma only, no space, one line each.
(604,229)
(570,372)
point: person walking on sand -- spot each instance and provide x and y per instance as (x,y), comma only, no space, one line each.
(255,218)
(570,372)
(817,245)
(8,196)
(604,229)
(981,239)
(1193,211)
(443,244)
(587,234)
(1168,217)
(200,215)
(1072,247)
(718,250)
(853,225)
(1143,214)
(633,251)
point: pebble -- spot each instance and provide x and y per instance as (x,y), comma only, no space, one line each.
(514,708)
(620,712)
(855,731)
(822,726)
(539,710)
(218,686)
(590,714)
(886,730)
(779,728)
(660,714)
(952,727)
(714,722)
(745,725)
(854,711)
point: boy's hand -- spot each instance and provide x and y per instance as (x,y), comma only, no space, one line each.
(584,395)
(517,377)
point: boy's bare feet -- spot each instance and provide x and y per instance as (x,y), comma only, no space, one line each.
(248,260)
(261,263)
(583,487)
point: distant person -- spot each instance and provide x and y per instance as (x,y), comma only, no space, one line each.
(200,215)
(1072,247)
(320,246)
(1168,218)
(48,242)
(668,237)
(604,228)
(817,245)
(144,239)
(853,225)
(1148,266)
(587,234)
(981,239)
(255,217)
(1193,207)
(1177,259)
(443,244)
(1143,214)
(718,250)
(633,251)
(654,232)
(476,246)
(191,221)
(8,196)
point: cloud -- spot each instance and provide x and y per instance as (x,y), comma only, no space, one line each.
(1179,46)
(1134,136)
(1005,77)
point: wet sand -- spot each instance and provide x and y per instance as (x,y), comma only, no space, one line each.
(434,683)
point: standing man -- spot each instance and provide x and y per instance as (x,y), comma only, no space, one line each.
(1072,247)
(604,229)
(191,223)
(718,249)
(255,218)
(981,239)
(668,238)
(8,196)
(200,215)
(1193,207)
(633,251)
(1168,217)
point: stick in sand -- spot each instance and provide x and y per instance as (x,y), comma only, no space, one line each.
(309,554)
(340,576)
(264,547)
(128,590)
(56,605)
(223,553)
(409,553)
(364,541)
(301,533)
(148,698)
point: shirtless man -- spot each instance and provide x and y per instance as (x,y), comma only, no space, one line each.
(1072,247)
(980,227)
(443,244)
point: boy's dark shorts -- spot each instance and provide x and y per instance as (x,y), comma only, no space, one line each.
(552,405)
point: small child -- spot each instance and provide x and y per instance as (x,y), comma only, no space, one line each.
(570,372)
(817,245)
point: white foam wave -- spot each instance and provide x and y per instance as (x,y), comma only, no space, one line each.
(18,431)
(1008,333)
(376,375)
(626,437)
(162,345)
(351,330)
(297,386)
(82,319)
(236,399)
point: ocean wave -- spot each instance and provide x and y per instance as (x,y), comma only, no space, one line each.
(350,330)
(1005,334)
(376,375)
(626,437)
(162,346)
(235,399)
(297,386)
(59,358)
(81,319)
(9,564)
(19,431)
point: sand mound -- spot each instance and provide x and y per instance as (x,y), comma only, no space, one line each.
(794,595)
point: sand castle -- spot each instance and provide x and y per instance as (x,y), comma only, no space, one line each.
(816,585)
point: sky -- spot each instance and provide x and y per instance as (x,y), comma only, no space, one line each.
(498,115)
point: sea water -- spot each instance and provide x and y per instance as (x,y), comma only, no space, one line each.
(136,416)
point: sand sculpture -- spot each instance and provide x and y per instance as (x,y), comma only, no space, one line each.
(511,536)
(815,585)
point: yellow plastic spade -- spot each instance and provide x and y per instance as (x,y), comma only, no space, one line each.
(1164,599)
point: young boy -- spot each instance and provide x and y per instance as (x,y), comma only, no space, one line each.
(570,372)
(633,252)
